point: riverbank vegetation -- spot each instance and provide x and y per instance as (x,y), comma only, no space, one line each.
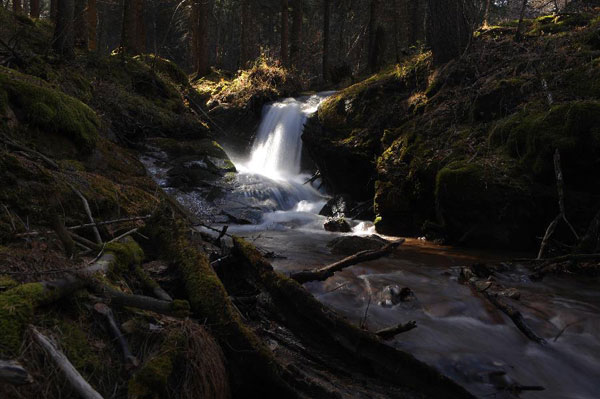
(459,131)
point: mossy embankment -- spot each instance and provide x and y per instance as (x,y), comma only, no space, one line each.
(464,152)
(235,101)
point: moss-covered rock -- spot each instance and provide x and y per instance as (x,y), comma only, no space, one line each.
(49,110)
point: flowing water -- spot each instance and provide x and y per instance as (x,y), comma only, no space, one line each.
(458,332)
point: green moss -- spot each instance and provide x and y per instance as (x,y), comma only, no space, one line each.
(16,312)
(128,254)
(558,23)
(50,110)
(152,379)
(7,282)
(165,67)
(532,135)
(76,345)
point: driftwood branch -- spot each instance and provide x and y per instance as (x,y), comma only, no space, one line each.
(151,285)
(324,273)
(79,384)
(82,226)
(85,242)
(12,372)
(391,332)
(105,311)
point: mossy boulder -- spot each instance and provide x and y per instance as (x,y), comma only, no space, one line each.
(532,136)
(48,110)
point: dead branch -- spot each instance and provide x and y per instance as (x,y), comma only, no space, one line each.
(174,308)
(105,311)
(82,226)
(88,211)
(389,333)
(151,285)
(21,147)
(85,242)
(560,187)
(63,235)
(324,273)
(77,382)
(12,372)
(124,235)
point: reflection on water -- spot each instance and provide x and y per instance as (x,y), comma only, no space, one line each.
(458,331)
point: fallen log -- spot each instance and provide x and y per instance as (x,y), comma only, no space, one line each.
(179,308)
(82,226)
(88,211)
(151,285)
(324,273)
(389,333)
(77,382)
(105,311)
(11,372)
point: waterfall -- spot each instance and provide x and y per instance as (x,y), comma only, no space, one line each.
(277,149)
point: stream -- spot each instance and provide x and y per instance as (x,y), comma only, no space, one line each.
(458,331)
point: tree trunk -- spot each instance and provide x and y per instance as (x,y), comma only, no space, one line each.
(450,29)
(245,28)
(92,24)
(129,30)
(63,31)
(140,27)
(53,9)
(17,6)
(34,8)
(519,34)
(285,33)
(80,28)
(295,48)
(326,38)
(415,22)
(372,60)
(486,16)
(200,36)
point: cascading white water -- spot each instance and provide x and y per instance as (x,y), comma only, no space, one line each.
(277,149)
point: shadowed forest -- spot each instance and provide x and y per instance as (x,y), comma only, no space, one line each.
(299,199)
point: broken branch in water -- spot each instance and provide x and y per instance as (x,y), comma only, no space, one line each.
(324,273)
(391,332)
(77,382)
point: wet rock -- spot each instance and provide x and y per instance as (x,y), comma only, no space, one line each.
(392,295)
(348,245)
(338,225)
(511,293)
(342,205)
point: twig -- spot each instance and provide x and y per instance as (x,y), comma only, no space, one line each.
(105,311)
(88,211)
(391,332)
(124,235)
(79,384)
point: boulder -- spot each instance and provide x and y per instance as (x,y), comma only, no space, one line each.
(342,205)
(348,245)
(392,295)
(337,225)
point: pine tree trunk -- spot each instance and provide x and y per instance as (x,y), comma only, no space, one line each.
(519,34)
(53,9)
(245,55)
(17,6)
(326,38)
(373,45)
(92,24)
(129,30)
(140,27)
(296,34)
(285,33)
(415,21)
(63,31)
(34,8)
(450,30)
(200,33)
(80,27)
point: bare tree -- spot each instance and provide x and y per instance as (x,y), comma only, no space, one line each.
(450,29)
(296,33)
(34,8)
(200,12)
(326,38)
(63,30)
